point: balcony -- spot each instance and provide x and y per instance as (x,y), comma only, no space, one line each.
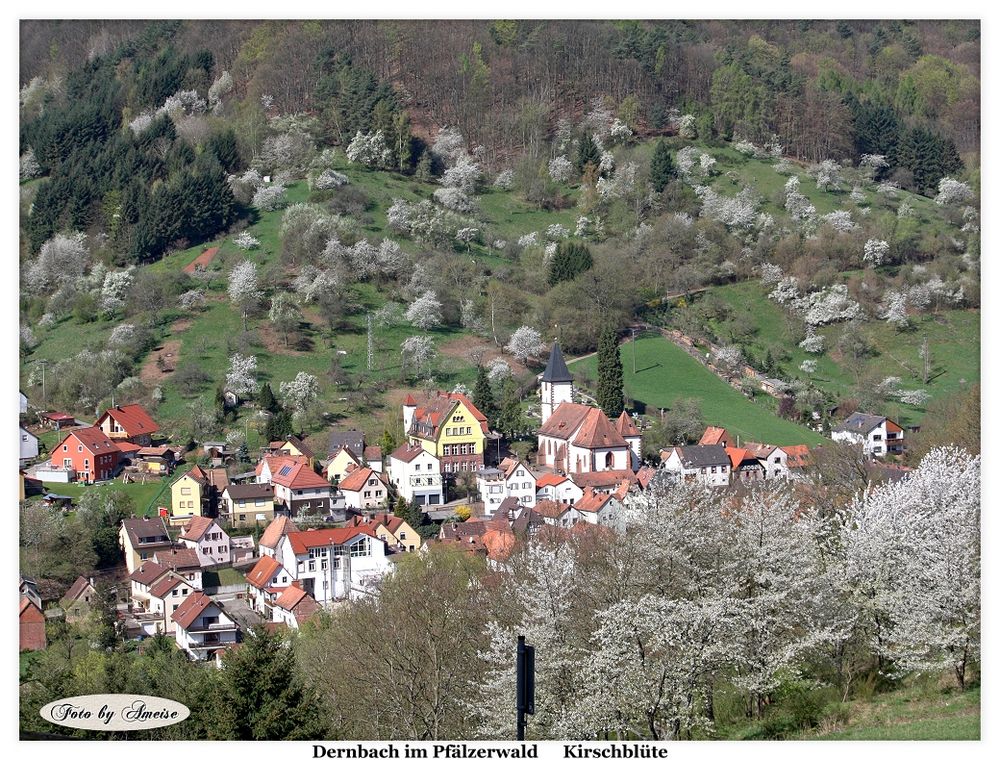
(212,628)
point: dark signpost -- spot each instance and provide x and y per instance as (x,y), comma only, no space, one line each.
(525,685)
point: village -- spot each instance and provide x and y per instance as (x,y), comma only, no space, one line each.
(330,526)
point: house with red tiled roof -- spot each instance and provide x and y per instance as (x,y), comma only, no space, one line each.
(208,540)
(196,493)
(31,626)
(298,489)
(184,562)
(203,627)
(85,455)
(291,446)
(397,533)
(450,427)
(774,459)
(714,436)
(552,486)
(558,513)
(581,439)
(266,580)
(799,458)
(294,607)
(416,474)
(364,489)
(334,563)
(606,481)
(128,423)
(269,541)
(744,466)
(140,538)
(599,508)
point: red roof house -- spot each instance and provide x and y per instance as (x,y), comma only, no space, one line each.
(89,452)
(129,422)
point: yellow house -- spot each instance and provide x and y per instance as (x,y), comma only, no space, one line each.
(340,464)
(395,531)
(450,427)
(292,446)
(187,494)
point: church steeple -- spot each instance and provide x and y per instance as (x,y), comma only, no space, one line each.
(557,383)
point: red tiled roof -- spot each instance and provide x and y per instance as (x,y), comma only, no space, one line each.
(551,509)
(127,447)
(712,436)
(178,559)
(358,478)
(92,439)
(305,540)
(298,602)
(80,585)
(294,472)
(57,416)
(597,432)
(165,585)
(604,478)
(441,406)
(626,427)
(148,572)
(550,479)
(759,450)
(196,528)
(191,608)
(409,400)
(798,456)
(736,456)
(407,452)
(564,420)
(373,453)
(592,501)
(499,543)
(278,527)
(645,475)
(262,573)
(391,522)
(132,418)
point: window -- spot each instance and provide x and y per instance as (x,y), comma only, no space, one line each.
(361,549)
(312,565)
(402,535)
(65,447)
(79,449)
(713,470)
(185,491)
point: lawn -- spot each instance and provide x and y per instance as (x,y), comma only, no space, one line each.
(912,713)
(952,336)
(665,373)
(140,493)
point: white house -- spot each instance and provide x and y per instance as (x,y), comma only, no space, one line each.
(293,607)
(773,458)
(165,596)
(298,490)
(29,446)
(203,627)
(364,489)
(24,402)
(416,474)
(599,508)
(267,580)
(558,513)
(281,525)
(877,435)
(554,487)
(211,542)
(708,465)
(512,479)
(334,563)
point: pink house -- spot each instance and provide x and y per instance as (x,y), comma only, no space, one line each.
(211,542)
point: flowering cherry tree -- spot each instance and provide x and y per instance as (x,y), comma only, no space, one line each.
(525,343)
(875,252)
(241,378)
(301,393)
(425,312)
(418,353)
(244,289)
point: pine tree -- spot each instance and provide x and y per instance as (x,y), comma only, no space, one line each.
(261,695)
(482,394)
(610,382)
(570,259)
(266,399)
(509,420)
(661,168)
(587,154)
(388,442)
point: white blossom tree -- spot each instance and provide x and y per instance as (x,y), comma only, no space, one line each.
(114,290)
(246,241)
(525,343)
(875,252)
(241,378)
(301,393)
(425,312)
(951,192)
(62,258)
(368,149)
(561,169)
(894,309)
(244,289)
(269,198)
(464,175)
(418,354)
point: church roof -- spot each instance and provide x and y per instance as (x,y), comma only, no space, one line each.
(556,370)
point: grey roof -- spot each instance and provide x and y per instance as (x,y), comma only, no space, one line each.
(354,440)
(250,491)
(703,456)
(860,423)
(146,531)
(556,370)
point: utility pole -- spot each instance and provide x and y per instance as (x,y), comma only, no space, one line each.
(45,403)
(525,685)
(633,350)
(371,344)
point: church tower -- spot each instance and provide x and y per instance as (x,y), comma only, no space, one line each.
(557,383)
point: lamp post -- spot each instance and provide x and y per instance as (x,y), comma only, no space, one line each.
(525,685)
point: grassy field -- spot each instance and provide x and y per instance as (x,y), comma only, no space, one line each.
(913,713)
(665,373)
(140,493)
(952,336)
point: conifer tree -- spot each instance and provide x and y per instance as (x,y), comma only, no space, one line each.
(661,168)
(482,395)
(610,382)
(267,400)
(509,420)
(588,154)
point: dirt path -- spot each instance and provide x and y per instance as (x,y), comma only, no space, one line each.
(151,374)
(202,261)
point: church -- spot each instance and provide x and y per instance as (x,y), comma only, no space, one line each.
(575,438)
